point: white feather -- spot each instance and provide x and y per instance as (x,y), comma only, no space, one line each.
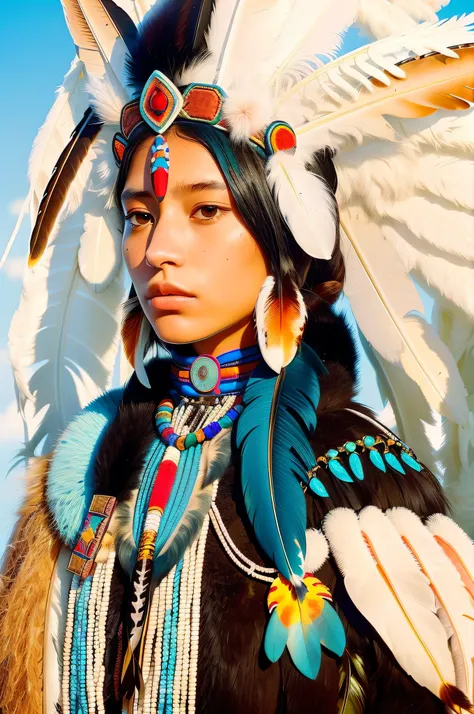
(68,109)
(140,352)
(338,85)
(371,594)
(272,355)
(447,585)
(312,29)
(381,18)
(106,99)
(100,254)
(97,40)
(445,528)
(305,202)
(410,408)
(451,277)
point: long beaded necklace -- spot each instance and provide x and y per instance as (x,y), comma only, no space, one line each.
(159,672)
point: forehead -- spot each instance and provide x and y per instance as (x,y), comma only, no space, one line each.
(190,162)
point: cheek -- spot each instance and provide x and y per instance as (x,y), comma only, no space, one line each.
(238,270)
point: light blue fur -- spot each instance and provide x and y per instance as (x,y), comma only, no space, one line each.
(71,475)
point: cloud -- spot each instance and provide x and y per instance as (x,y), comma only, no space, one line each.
(11,425)
(15,267)
(16,206)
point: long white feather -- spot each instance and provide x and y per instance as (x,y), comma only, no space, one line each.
(386,585)
(100,255)
(381,18)
(448,588)
(140,352)
(305,202)
(63,336)
(336,87)
(313,29)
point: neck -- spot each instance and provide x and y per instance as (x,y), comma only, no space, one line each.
(235,337)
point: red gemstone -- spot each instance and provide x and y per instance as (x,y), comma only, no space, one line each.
(158,101)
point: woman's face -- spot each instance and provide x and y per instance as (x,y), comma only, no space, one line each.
(196,269)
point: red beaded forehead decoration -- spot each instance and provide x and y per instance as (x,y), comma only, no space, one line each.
(161,103)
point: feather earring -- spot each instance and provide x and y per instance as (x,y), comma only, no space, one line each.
(280,315)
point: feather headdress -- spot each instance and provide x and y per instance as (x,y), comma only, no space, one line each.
(398,113)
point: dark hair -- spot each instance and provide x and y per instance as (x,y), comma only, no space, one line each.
(244,172)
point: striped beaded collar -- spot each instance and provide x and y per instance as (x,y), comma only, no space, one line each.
(204,375)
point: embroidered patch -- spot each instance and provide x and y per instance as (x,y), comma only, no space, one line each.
(203,102)
(93,531)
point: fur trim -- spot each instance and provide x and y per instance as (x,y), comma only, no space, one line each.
(247,113)
(317,550)
(27,571)
(71,477)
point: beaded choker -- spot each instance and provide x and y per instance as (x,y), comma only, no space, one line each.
(203,375)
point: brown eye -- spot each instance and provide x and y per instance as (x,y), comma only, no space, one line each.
(139,218)
(208,211)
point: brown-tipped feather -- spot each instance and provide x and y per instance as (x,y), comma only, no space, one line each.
(61,179)
(27,572)
(130,330)
(107,12)
(455,699)
(432,82)
(285,317)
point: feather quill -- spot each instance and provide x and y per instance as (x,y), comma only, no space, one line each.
(448,588)
(386,585)
(280,315)
(305,202)
(63,176)
(272,435)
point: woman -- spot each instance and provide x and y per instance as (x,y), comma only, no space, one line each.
(185,498)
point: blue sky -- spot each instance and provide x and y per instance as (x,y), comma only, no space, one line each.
(35,53)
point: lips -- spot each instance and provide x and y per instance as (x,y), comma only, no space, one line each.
(168,296)
(165,288)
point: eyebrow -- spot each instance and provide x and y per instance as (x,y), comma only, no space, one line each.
(201,186)
(134,193)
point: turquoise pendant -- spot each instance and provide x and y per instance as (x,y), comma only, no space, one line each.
(392,461)
(410,461)
(317,487)
(338,470)
(205,374)
(356,466)
(377,460)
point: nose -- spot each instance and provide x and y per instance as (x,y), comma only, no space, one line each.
(165,245)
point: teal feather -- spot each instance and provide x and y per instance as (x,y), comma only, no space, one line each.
(305,648)
(331,630)
(273,433)
(276,636)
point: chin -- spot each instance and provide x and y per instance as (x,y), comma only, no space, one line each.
(178,329)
